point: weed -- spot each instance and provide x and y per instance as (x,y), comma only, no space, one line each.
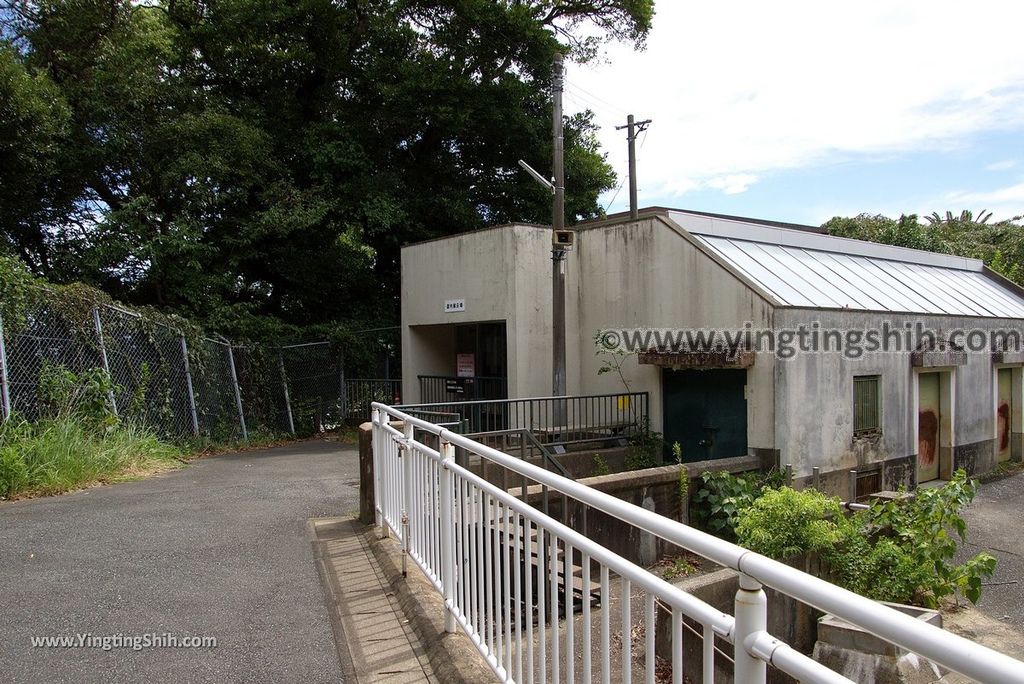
(600,466)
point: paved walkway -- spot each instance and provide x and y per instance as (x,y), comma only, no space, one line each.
(380,644)
(995,523)
(221,548)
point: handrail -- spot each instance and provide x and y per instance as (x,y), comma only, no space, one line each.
(546,455)
(954,652)
(472,402)
(466,535)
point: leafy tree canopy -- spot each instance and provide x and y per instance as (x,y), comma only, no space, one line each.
(999,244)
(237,159)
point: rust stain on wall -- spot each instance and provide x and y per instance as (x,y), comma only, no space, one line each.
(927,436)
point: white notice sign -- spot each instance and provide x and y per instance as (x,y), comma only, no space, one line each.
(453,305)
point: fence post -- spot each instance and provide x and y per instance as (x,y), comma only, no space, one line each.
(5,383)
(447,534)
(342,388)
(103,357)
(751,611)
(287,397)
(188,384)
(405,452)
(238,393)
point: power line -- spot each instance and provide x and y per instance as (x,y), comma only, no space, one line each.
(612,200)
(597,98)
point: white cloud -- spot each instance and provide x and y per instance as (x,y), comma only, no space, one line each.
(740,89)
(1004,203)
(1004,165)
(733,183)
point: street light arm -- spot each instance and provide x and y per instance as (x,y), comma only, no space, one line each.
(537,177)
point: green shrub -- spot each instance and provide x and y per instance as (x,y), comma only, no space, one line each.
(784,522)
(898,551)
(929,530)
(880,570)
(600,466)
(722,495)
(86,395)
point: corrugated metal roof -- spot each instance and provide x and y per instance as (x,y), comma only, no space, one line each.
(796,275)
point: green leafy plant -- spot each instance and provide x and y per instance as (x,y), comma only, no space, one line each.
(645,448)
(611,357)
(722,496)
(600,466)
(930,529)
(679,567)
(86,395)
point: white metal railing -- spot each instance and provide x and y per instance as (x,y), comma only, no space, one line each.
(513,579)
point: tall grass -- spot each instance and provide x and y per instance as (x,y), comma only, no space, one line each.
(68,452)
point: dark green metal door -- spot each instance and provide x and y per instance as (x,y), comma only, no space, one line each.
(706,412)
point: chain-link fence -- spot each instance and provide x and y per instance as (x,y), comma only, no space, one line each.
(183,387)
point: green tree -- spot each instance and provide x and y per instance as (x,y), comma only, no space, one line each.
(236,159)
(1000,245)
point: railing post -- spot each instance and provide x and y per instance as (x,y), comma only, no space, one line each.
(103,357)
(377,471)
(405,453)
(238,393)
(447,534)
(287,397)
(5,383)
(188,384)
(751,611)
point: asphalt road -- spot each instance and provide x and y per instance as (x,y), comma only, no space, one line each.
(218,549)
(995,523)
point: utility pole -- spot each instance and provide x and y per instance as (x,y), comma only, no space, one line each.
(633,128)
(558,387)
(562,241)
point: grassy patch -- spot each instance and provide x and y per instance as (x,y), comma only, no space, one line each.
(67,453)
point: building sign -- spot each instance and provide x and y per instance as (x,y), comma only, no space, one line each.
(465,365)
(455,386)
(454,305)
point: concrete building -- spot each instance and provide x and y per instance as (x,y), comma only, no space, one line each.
(936,386)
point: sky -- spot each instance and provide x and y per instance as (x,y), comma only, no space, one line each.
(801,111)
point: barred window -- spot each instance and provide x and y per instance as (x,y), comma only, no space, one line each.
(866,413)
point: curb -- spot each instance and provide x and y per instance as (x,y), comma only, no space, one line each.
(452,657)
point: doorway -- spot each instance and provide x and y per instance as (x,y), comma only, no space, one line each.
(929,422)
(706,412)
(1005,407)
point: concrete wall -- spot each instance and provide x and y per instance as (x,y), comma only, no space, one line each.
(649,274)
(788,620)
(495,271)
(814,401)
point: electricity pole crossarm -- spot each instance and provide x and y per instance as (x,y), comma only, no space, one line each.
(633,128)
